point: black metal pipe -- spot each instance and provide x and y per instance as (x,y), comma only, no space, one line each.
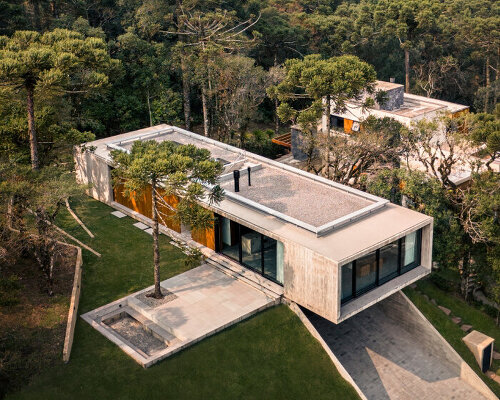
(248,172)
(236,175)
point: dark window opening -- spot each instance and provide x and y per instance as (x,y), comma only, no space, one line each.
(336,122)
(380,266)
(250,248)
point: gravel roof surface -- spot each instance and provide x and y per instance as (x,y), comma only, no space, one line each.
(299,197)
(296,196)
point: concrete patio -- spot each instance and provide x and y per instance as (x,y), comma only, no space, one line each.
(201,302)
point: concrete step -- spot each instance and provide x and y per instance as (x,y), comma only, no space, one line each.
(140,308)
(158,331)
(247,276)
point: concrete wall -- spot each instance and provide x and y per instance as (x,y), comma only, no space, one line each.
(394,285)
(402,311)
(93,170)
(311,280)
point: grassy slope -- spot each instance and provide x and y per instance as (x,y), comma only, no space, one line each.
(268,356)
(451,331)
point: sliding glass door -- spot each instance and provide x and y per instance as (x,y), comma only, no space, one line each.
(229,238)
(250,248)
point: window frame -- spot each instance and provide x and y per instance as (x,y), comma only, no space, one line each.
(401,269)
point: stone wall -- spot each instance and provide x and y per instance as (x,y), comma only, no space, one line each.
(395,99)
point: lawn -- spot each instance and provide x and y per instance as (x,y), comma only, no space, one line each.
(451,331)
(271,355)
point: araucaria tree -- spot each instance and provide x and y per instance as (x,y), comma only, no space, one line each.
(169,169)
(59,61)
(315,87)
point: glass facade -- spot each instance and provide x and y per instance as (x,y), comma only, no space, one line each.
(250,248)
(380,266)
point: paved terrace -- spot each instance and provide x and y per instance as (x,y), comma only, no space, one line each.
(201,302)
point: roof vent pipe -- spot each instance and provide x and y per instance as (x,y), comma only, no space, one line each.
(236,175)
(392,80)
(248,172)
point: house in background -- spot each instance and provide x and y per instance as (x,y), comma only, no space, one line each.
(403,107)
(330,248)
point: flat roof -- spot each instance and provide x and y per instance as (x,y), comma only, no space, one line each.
(344,238)
(293,195)
(413,105)
(304,199)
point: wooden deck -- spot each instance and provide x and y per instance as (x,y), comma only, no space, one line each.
(284,140)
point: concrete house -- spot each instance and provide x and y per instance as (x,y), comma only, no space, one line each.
(332,249)
(405,108)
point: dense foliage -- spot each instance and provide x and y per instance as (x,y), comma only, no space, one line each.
(192,61)
(71,71)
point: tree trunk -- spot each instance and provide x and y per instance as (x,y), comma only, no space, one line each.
(31,128)
(156,248)
(326,134)
(488,83)
(407,71)
(205,110)
(186,96)
(276,118)
(149,108)
(276,103)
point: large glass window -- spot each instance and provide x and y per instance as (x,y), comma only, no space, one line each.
(346,279)
(374,269)
(411,251)
(366,273)
(270,251)
(250,248)
(388,261)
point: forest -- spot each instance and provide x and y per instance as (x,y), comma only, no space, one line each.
(243,72)
(71,71)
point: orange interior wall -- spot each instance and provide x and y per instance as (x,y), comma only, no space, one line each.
(139,203)
(348,125)
(206,237)
(143,204)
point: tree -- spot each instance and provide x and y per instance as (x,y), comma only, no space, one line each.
(477,23)
(350,156)
(423,193)
(60,61)
(168,169)
(275,76)
(484,130)
(32,200)
(319,87)
(278,39)
(440,146)
(209,35)
(239,87)
(409,21)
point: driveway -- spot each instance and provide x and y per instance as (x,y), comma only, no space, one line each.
(389,358)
